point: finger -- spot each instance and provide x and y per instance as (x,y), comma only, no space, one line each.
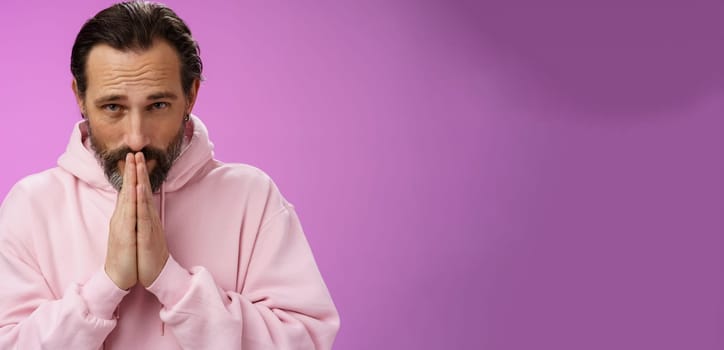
(129,176)
(142,171)
(143,177)
(124,193)
(129,188)
(124,183)
(144,204)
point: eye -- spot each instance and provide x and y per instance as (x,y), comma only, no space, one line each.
(112,107)
(159,105)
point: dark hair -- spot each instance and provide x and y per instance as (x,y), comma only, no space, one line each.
(135,25)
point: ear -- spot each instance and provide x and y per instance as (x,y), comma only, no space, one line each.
(78,98)
(193,93)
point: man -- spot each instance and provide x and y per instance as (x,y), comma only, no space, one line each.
(139,239)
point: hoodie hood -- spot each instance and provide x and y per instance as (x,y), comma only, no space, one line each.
(81,161)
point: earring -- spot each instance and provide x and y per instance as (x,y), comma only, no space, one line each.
(186,118)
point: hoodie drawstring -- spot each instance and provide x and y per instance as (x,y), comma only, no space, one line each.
(163,207)
(163,226)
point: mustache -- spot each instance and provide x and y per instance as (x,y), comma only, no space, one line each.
(112,157)
(164,158)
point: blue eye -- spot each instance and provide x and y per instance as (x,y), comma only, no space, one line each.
(112,107)
(159,105)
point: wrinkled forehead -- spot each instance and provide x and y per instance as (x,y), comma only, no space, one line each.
(132,71)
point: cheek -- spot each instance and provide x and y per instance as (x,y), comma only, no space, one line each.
(108,140)
(150,165)
(167,133)
(102,128)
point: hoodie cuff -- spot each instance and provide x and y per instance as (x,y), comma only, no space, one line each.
(171,284)
(101,295)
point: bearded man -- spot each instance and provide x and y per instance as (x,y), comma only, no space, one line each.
(139,238)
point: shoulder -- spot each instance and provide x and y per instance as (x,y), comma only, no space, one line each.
(27,199)
(247,181)
(240,172)
(45,186)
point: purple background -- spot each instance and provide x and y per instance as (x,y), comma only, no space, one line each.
(471,175)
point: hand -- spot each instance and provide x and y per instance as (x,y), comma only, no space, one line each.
(152,250)
(121,261)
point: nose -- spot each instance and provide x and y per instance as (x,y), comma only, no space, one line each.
(136,136)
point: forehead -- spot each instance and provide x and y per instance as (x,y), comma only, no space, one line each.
(109,70)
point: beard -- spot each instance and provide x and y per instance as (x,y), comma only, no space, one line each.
(109,158)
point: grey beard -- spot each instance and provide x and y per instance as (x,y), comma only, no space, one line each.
(116,180)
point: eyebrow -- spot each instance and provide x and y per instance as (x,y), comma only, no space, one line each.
(162,95)
(152,97)
(109,98)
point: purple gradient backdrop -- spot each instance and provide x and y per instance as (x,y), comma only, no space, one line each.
(471,175)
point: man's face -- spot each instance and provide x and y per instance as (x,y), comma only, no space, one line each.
(134,102)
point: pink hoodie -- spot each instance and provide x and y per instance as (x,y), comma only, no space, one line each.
(241,274)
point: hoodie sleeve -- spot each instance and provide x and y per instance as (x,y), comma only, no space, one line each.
(31,316)
(283,304)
